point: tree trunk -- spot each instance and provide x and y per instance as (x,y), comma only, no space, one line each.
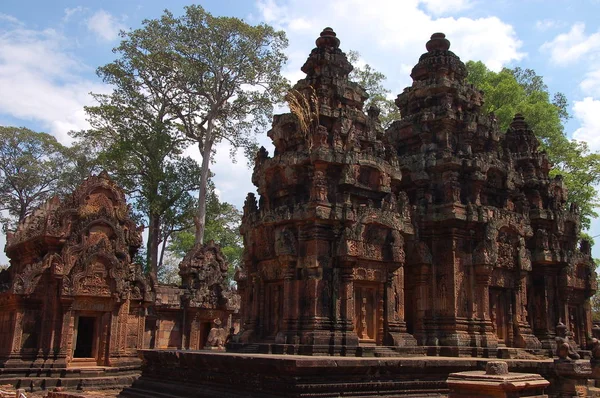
(200,219)
(162,250)
(153,243)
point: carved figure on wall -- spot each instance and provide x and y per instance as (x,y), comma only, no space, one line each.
(595,348)
(217,336)
(565,348)
(319,187)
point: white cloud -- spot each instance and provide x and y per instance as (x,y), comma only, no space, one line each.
(40,81)
(568,48)
(105,25)
(547,24)
(591,82)
(391,35)
(300,24)
(9,19)
(69,12)
(439,7)
(587,112)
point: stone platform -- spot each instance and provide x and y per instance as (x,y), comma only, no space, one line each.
(71,378)
(177,374)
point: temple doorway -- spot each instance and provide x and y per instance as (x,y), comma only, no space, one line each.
(365,317)
(273,309)
(204,331)
(501,315)
(85,339)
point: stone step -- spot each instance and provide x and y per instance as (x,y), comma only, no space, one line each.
(80,383)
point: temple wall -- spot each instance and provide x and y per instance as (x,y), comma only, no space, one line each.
(169,331)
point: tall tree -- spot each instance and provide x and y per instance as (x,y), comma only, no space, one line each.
(372,81)
(227,77)
(512,91)
(32,169)
(139,143)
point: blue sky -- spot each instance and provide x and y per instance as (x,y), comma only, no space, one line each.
(49,51)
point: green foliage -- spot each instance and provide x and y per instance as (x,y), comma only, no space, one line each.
(33,168)
(140,144)
(222,226)
(220,75)
(595,299)
(372,81)
(513,91)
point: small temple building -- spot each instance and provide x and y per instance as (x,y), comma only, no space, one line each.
(72,294)
(442,231)
(184,316)
(73,297)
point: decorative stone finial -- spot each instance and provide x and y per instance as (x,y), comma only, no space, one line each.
(328,39)
(438,42)
(518,122)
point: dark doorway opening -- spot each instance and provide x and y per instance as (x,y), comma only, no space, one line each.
(85,337)
(204,331)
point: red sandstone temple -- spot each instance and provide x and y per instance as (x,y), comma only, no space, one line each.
(72,296)
(441,236)
(441,231)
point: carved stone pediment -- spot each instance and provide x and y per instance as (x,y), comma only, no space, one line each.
(86,242)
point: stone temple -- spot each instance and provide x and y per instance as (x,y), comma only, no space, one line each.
(75,307)
(440,232)
(373,260)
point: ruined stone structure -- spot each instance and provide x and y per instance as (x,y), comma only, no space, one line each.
(73,298)
(440,232)
(72,295)
(183,316)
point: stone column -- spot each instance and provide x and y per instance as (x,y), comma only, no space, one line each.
(396,330)
(114,333)
(65,352)
(105,322)
(290,307)
(251,309)
(17,336)
(483,275)
(422,281)
(525,337)
(47,331)
(347,306)
(545,318)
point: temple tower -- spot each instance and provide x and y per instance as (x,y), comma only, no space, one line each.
(324,245)
(481,270)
